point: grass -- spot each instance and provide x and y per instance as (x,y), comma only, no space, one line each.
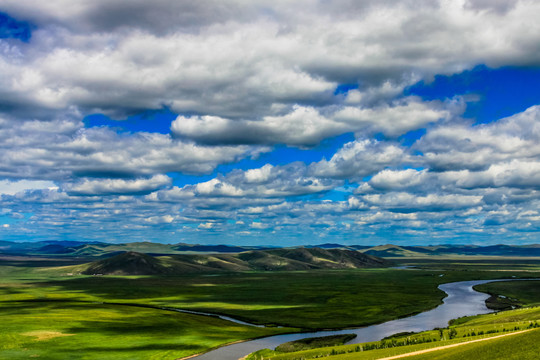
(302,345)
(307,299)
(516,293)
(61,330)
(525,346)
(519,346)
(315,342)
(497,264)
(46,313)
(39,319)
(472,328)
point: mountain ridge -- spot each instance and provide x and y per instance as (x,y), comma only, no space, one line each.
(101,250)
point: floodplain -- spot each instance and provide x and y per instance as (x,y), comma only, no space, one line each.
(48,311)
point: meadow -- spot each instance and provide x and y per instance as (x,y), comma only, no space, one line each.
(46,312)
(512,334)
(40,319)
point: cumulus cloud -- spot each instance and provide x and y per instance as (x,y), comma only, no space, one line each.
(513,174)
(303,126)
(461,146)
(406,202)
(266,182)
(410,114)
(119,186)
(251,60)
(307,126)
(61,149)
(13,187)
(398,179)
(359,158)
(259,225)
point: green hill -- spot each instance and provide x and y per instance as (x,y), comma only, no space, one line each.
(395,251)
(134,263)
(128,263)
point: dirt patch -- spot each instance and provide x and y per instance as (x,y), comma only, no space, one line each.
(42,335)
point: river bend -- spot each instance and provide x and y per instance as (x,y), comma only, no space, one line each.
(461,300)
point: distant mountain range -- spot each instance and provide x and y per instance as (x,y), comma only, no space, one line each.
(389,251)
(134,263)
(100,249)
(97,249)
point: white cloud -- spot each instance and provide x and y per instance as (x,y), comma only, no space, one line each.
(516,174)
(13,187)
(119,186)
(252,61)
(359,158)
(400,201)
(215,187)
(207,225)
(265,182)
(398,179)
(302,126)
(454,147)
(32,149)
(165,219)
(259,225)
(260,175)
(391,120)
(307,126)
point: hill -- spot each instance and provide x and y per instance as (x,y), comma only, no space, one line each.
(128,263)
(395,251)
(133,263)
(461,250)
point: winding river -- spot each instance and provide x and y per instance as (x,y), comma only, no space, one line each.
(461,300)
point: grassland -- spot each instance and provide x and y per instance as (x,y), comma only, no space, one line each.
(300,299)
(479,336)
(316,342)
(512,294)
(39,319)
(497,264)
(523,346)
(482,327)
(47,313)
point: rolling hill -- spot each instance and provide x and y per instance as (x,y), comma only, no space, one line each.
(461,250)
(128,263)
(134,263)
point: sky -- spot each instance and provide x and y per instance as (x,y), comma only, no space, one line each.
(270,122)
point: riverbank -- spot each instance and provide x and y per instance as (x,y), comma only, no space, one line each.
(461,300)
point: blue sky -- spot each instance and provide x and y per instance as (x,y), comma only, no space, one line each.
(354,123)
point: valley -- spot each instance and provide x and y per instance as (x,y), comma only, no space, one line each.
(121,306)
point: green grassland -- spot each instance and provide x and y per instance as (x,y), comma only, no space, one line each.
(300,299)
(463,330)
(525,346)
(46,312)
(513,294)
(498,264)
(467,329)
(39,318)
(71,330)
(316,342)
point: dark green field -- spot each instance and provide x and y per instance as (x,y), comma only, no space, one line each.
(513,334)
(47,313)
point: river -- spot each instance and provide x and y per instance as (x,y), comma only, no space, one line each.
(461,300)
